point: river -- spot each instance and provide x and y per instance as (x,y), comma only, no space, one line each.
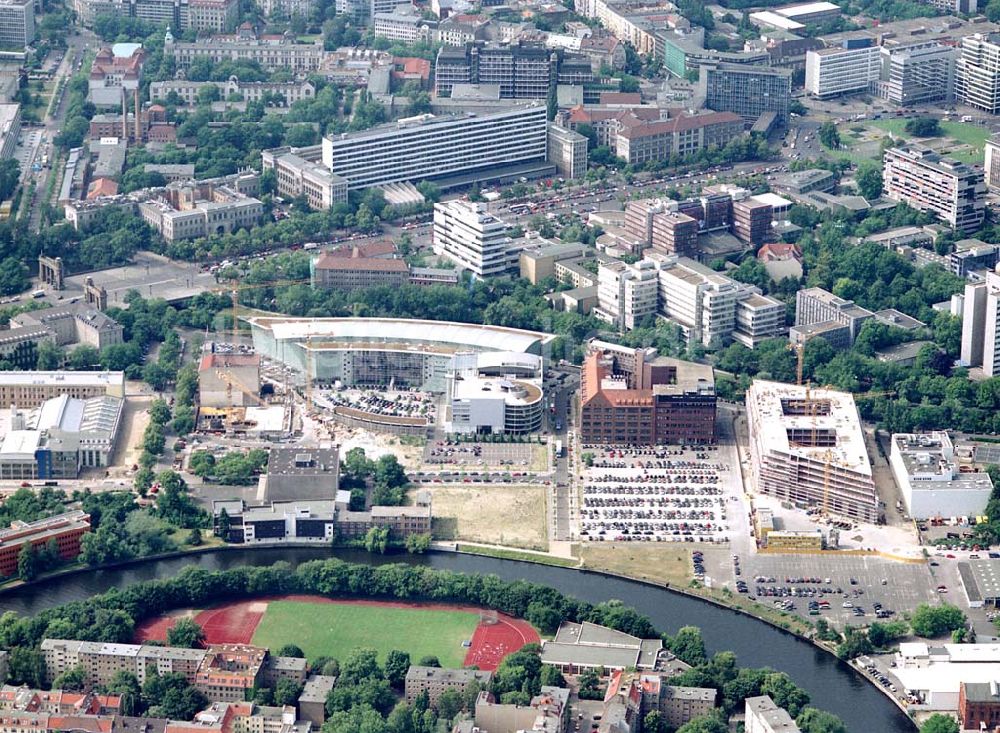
(831,683)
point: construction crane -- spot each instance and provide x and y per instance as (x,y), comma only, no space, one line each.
(309,370)
(231,382)
(800,350)
(233,290)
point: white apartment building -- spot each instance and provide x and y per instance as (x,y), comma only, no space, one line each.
(977,72)
(931,481)
(626,294)
(953,191)
(759,317)
(991,163)
(917,74)
(427,147)
(764,716)
(17,23)
(475,240)
(981,325)
(831,72)
(404,23)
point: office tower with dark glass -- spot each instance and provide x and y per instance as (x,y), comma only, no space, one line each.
(749,91)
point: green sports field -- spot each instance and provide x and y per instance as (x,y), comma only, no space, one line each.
(334,629)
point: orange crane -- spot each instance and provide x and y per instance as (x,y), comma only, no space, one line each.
(231,382)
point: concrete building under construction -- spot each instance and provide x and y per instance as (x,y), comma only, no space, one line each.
(807,447)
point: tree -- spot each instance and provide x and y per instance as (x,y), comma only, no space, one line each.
(223,525)
(186,633)
(159,412)
(72,679)
(449,704)
(687,645)
(939,723)
(930,621)
(812,720)
(13,274)
(286,692)
(829,136)
(194,538)
(418,544)
(590,685)
(869,179)
(377,540)
(27,563)
(396,665)
(50,357)
(705,724)
(126,685)
(785,693)
(429,660)
(291,650)
(923,126)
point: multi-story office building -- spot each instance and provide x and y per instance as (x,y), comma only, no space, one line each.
(815,306)
(977,72)
(538,262)
(751,220)
(673,402)
(10,129)
(972,255)
(626,294)
(66,530)
(428,147)
(521,70)
(749,91)
(807,447)
(953,191)
(700,300)
(249,91)
(920,73)
(17,23)
(758,317)
(300,172)
(435,680)
(475,240)
(191,209)
(405,24)
(683,135)
(567,151)
(674,233)
(763,716)
(287,8)
(213,15)
(832,72)
(31,389)
(981,325)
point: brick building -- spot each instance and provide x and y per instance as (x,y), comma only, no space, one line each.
(979,705)
(66,530)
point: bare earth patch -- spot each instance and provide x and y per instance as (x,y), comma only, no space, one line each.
(509,515)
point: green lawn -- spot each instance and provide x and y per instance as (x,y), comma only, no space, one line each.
(334,629)
(961,133)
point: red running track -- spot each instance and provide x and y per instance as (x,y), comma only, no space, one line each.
(235,623)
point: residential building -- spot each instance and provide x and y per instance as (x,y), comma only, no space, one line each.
(930,479)
(832,72)
(919,73)
(31,389)
(678,137)
(981,325)
(302,473)
(991,164)
(547,712)
(678,705)
(17,23)
(672,402)
(475,240)
(816,306)
(429,147)
(72,324)
(272,53)
(538,263)
(807,447)
(312,701)
(626,294)
(977,72)
(213,15)
(58,702)
(749,91)
(66,530)
(403,24)
(436,680)
(60,437)
(763,716)
(567,151)
(356,272)
(979,705)
(577,647)
(288,8)
(300,172)
(229,380)
(952,191)
(10,129)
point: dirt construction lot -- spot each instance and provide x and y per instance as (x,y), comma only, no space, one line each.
(504,515)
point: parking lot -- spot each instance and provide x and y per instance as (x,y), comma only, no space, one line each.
(521,457)
(905,584)
(663,494)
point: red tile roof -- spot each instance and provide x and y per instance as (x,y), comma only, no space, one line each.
(778,251)
(679,124)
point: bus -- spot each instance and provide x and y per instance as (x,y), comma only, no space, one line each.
(38,294)
(559,449)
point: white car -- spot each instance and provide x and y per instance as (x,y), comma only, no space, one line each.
(847,604)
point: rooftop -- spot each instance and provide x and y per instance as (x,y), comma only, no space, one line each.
(69,379)
(317,687)
(893,317)
(777,718)
(777,409)
(303,461)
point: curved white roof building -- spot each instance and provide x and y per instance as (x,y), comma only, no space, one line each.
(376,351)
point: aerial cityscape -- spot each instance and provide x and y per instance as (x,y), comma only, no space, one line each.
(499,366)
